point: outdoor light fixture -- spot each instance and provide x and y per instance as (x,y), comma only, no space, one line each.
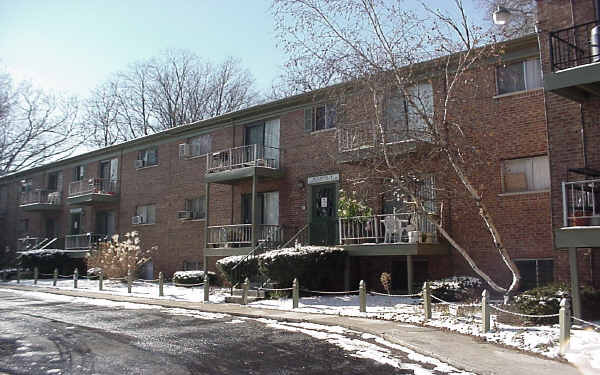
(502,15)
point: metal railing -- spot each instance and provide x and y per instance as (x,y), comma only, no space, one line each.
(387,228)
(94,186)
(82,241)
(240,235)
(572,47)
(244,156)
(365,136)
(40,196)
(29,243)
(581,203)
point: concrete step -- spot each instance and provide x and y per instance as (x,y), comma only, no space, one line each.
(238,299)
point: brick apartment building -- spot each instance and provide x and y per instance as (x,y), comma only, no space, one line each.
(217,187)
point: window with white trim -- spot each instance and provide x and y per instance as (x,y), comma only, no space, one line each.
(197,206)
(409,112)
(200,145)
(520,76)
(147,213)
(148,157)
(319,117)
(526,174)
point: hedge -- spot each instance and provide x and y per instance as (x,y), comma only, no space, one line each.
(193,277)
(248,268)
(457,288)
(48,259)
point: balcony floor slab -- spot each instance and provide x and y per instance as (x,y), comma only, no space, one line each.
(390,249)
(231,176)
(31,207)
(585,236)
(92,198)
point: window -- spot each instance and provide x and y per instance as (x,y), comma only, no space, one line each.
(147,157)
(192,266)
(26,185)
(200,145)
(535,272)
(320,117)
(78,173)
(526,174)
(407,112)
(267,208)
(147,213)
(520,76)
(197,206)
(55,181)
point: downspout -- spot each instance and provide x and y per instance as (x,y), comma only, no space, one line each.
(583,146)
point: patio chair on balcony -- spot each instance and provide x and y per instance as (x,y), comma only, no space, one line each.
(393,229)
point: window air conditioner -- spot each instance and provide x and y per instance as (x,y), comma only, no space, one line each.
(184,215)
(139,164)
(137,220)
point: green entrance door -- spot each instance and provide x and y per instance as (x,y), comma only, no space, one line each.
(323,215)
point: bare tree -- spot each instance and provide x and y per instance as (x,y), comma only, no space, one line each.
(394,58)
(174,89)
(35,127)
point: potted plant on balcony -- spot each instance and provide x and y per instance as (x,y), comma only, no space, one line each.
(356,213)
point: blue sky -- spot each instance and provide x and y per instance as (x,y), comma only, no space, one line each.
(72,46)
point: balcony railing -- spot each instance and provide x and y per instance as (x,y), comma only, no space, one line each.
(572,47)
(94,186)
(40,196)
(364,136)
(240,235)
(387,229)
(82,241)
(244,156)
(581,203)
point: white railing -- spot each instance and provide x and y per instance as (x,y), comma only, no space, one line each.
(28,243)
(243,156)
(94,186)
(240,235)
(40,196)
(364,136)
(387,228)
(581,203)
(82,241)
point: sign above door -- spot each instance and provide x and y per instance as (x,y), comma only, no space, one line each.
(322,179)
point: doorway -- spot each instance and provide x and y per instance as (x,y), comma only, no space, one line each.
(323,214)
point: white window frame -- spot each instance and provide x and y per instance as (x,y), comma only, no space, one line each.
(329,119)
(189,206)
(195,143)
(143,211)
(524,64)
(143,155)
(530,174)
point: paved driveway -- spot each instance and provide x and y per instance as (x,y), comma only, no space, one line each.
(46,335)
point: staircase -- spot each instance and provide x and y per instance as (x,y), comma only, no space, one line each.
(253,295)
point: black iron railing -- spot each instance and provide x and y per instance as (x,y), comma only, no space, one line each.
(573,46)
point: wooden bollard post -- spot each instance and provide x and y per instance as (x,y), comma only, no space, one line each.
(245,291)
(362,296)
(18,275)
(55,277)
(161,281)
(129,280)
(426,301)
(564,320)
(100,280)
(75,278)
(35,275)
(206,287)
(485,312)
(295,293)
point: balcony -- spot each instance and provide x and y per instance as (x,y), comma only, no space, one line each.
(226,240)
(575,62)
(581,215)
(93,191)
(234,164)
(83,242)
(40,200)
(389,234)
(362,140)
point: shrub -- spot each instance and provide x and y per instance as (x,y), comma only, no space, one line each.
(315,267)
(350,206)
(248,268)
(543,300)
(193,277)
(386,281)
(457,288)
(590,299)
(119,254)
(48,259)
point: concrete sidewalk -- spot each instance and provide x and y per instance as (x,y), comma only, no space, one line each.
(463,352)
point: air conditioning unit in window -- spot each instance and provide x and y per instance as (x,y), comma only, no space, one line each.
(135,220)
(139,164)
(184,150)
(184,215)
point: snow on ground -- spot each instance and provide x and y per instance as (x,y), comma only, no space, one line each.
(584,346)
